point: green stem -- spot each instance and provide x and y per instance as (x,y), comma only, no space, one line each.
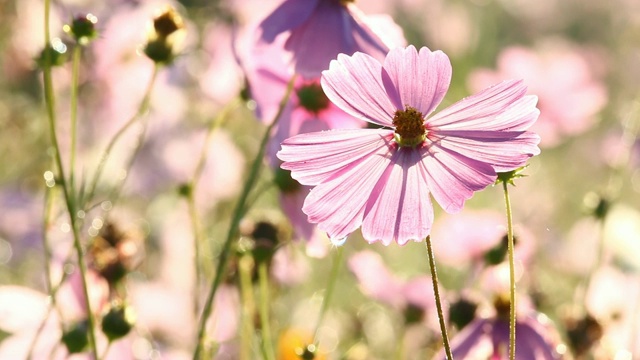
(106,350)
(144,107)
(512,275)
(326,299)
(198,237)
(75,75)
(69,198)
(235,221)
(267,339)
(436,294)
(245,267)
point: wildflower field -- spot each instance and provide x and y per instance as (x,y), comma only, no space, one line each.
(319,179)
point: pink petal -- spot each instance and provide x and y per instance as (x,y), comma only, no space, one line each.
(354,84)
(337,205)
(419,80)
(504,151)
(329,31)
(483,111)
(315,157)
(289,15)
(375,280)
(452,178)
(399,208)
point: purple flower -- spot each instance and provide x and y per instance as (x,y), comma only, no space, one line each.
(319,30)
(380,179)
(488,338)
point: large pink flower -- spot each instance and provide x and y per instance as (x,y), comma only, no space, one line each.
(380,179)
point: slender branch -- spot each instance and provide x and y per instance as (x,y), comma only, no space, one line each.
(512,275)
(144,107)
(436,294)
(235,221)
(326,299)
(68,196)
(75,75)
(245,267)
(191,186)
(267,339)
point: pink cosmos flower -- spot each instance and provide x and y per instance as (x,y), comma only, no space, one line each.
(570,91)
(488,338)
(318,30)
(380,179)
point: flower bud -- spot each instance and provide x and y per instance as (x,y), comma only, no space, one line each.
(462,312)
(165,37)
(76,338)
(265,236)
(118,322)
(583,333)
(53,55)
(82,28)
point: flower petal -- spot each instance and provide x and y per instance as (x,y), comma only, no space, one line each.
(315,157)
(484,110)
(337,205)
(419,80)
(452,178)
(354,84)
(400,208)
(289,15)
(329,31)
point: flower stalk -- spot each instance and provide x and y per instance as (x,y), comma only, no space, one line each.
(338,261)
(235,221)
(436,294)
(512,274)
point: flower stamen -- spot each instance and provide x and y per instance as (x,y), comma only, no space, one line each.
(409,127)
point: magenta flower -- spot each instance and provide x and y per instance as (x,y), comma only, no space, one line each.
(380,179)
(319,30)
(488,338)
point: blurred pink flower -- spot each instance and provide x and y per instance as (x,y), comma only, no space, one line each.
(376,281)
(488,338)
(318,30)
(380,178)
(467,236)
(570,93)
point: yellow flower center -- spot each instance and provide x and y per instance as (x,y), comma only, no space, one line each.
(409,127)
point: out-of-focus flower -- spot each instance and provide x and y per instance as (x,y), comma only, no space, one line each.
(380,179)
(467,236)
(488,337)
(307,110)
(297,344)
(318,30)
(570,92)
(613,299)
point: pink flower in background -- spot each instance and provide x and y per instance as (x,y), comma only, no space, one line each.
(318,30)
(380,179)
(488,338)
(570,93)
(413,296)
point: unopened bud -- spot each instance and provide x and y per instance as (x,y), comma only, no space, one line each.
(165,37)
(76,338)
(118,322)
(82,28)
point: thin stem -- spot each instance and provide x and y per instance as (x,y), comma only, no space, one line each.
(267,339)
(46,222)
(512,275)
(144,107)
(75,75)
(198,237)
(436,294)
(235,221)
(106,350)
(245,267)
(326,299)
(69,198)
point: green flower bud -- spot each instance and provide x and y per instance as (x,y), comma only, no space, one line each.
(118,322)
(82,28)
(76,338)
